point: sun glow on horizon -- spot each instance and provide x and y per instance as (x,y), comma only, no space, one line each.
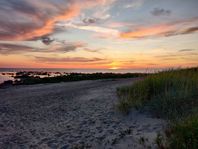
(115,68)
(115,65)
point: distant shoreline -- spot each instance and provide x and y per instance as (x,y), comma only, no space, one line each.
(36,77)
(8,71)
(7,75)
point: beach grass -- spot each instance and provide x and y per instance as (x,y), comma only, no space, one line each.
(172,95)
(183,134)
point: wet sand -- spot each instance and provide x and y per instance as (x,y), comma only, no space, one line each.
(72,115)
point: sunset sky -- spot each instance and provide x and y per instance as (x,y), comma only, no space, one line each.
(105,34)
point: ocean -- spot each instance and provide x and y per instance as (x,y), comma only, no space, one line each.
(78,70)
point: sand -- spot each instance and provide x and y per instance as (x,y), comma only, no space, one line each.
(72,115)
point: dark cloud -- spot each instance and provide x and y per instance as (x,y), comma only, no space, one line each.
(68,59)
(26,20)
(46,40)
(160,12)
(88,21)
(176,31)
(186,50)
(6,48)
(68,47)
(190,30)
(18,6)
(30,19)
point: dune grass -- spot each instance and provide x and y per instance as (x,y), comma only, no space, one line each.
(184,134)
(172,95)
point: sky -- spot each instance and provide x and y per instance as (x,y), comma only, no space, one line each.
(98,34)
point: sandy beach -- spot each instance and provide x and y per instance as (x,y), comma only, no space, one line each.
(72,115)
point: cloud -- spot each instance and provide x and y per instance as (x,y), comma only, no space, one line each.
(26,20)
(174,28)
(186,50)
(133,3)
(183,54)
(190,30)
(162,30)
(174,32)
(144,32)
(92,50)
(69,59)
(88,21)
(47,40)
(179,27)
(7,48)
(29,19)
(119,24)
(103,12)
(66,47)
(160,12)
(97,29)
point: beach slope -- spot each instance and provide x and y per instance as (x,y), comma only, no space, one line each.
(72,115)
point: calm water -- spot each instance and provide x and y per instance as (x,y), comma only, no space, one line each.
(14,70)
(77,70)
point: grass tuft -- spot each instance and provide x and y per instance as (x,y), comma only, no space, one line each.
(184,134)
(168,94)
(172,95)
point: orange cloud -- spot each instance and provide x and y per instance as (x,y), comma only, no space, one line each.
(49,24)
(187,26)
(146,31)
(40,17)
